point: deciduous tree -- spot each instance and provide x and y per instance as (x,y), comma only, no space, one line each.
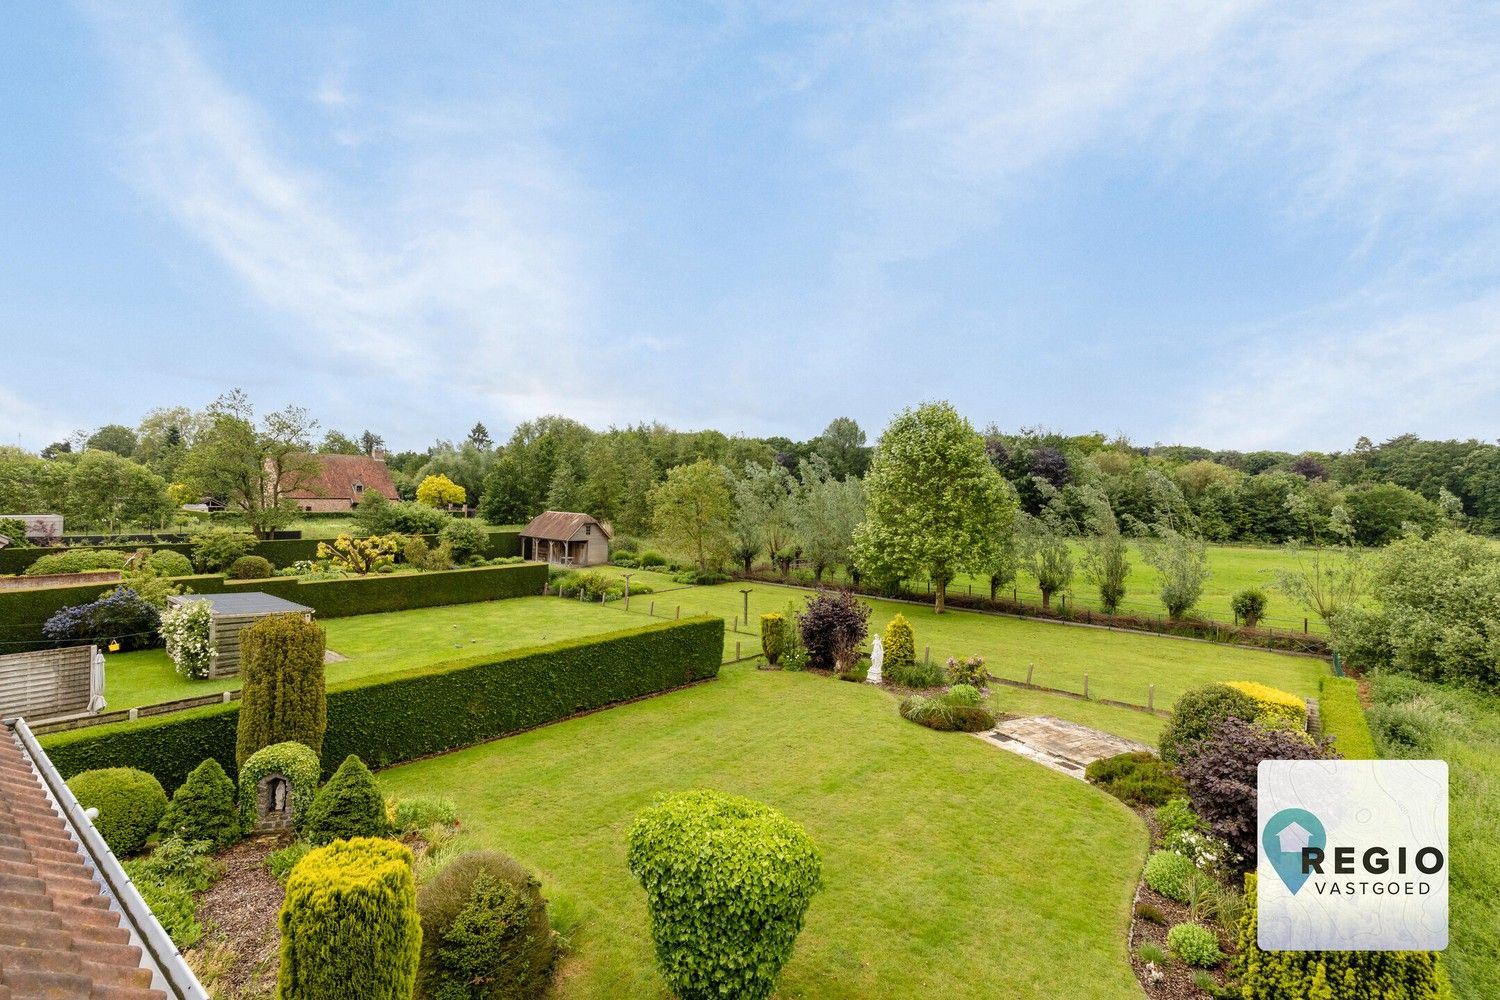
(693,511)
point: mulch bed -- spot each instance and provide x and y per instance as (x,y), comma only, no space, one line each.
(1177,976)
(240,949)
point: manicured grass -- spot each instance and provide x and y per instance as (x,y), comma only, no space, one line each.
(382,643)
(323,527)
(1121,666)
(952,868)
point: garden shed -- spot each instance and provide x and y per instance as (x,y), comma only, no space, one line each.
(566,538)
(232,613)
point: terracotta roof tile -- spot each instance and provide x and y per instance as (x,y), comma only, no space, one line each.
(58,935)
(337,475)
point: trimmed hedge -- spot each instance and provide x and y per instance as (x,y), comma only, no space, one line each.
(349,925)
(397,717)
(1332,975)
(22,612)
(1273,705)
(1344,718)
(280,551)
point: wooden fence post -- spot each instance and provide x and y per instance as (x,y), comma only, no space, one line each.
(1085,685)
(652,612)
(679,612)
(1151,697)
(1029,668)
(927,657)
(736,650)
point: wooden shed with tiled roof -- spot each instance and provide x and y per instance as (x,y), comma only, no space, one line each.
(72,924)
(565,538)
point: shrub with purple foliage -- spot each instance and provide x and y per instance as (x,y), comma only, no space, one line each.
(121,614)
(1221,777)
(833,626)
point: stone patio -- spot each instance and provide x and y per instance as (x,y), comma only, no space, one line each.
(1056,743)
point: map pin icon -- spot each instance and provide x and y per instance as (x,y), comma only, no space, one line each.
(1283,839)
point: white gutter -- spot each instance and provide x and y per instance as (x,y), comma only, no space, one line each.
(164,957)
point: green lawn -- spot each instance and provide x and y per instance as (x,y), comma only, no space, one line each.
(952,868)
(1121,665)
(383,643)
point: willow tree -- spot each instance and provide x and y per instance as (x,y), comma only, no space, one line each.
(934,503)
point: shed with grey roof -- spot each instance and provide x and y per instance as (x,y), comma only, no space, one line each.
(232,613)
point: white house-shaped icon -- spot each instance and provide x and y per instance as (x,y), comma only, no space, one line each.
(1293,839)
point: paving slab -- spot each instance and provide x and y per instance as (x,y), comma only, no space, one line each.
(1059,744)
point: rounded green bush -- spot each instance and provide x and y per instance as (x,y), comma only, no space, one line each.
(485,933)
(466,537)
(651,557)
(251,568)
(165,562)
(945,715)
(204,807)
(1197,713)
(76,561)
(130,804)
(1195,945)
(282,689)
(294,761)
(349,805)
(349,924)
(1170,874)
(728,881)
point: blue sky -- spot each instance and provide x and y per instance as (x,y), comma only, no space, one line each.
(1242,224)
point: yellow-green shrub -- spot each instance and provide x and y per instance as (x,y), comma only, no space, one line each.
(899,642)
(1272,705)
(773,636)
(349,925)
(1332,975)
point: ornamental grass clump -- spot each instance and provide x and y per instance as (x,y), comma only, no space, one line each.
(282,693)
(349,924)
(728,881)
(186,629)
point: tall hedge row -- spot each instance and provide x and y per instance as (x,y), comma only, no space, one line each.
(392,718)
(1344,718)
(22,612)
(281,552)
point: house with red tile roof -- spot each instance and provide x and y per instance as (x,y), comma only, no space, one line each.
(71,922)
(341,482)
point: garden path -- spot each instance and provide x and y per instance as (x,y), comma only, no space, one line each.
(1056,743)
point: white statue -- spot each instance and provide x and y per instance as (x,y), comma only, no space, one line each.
(877,658)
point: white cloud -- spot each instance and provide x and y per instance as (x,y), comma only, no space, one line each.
(27,423)
(466,270)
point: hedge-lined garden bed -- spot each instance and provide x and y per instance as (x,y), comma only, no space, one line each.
(396,717)
(504,543)
(23,612)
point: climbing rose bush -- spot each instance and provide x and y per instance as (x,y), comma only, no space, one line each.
(185,630)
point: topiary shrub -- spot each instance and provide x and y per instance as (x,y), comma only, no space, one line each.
(728,882)
(1249,606)
(165,562)
(121,615)
(900,643)
(204,807)
(773,636)
(1196,714)
(485,933)
(1195,945)
(1331,975)
(349,924)
(130,804)
(282,695)
(1221,777)
(251,568)
(1274,707)
(1139,778)
(833,626)
(293,761)
(349,805)
(1170,874)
